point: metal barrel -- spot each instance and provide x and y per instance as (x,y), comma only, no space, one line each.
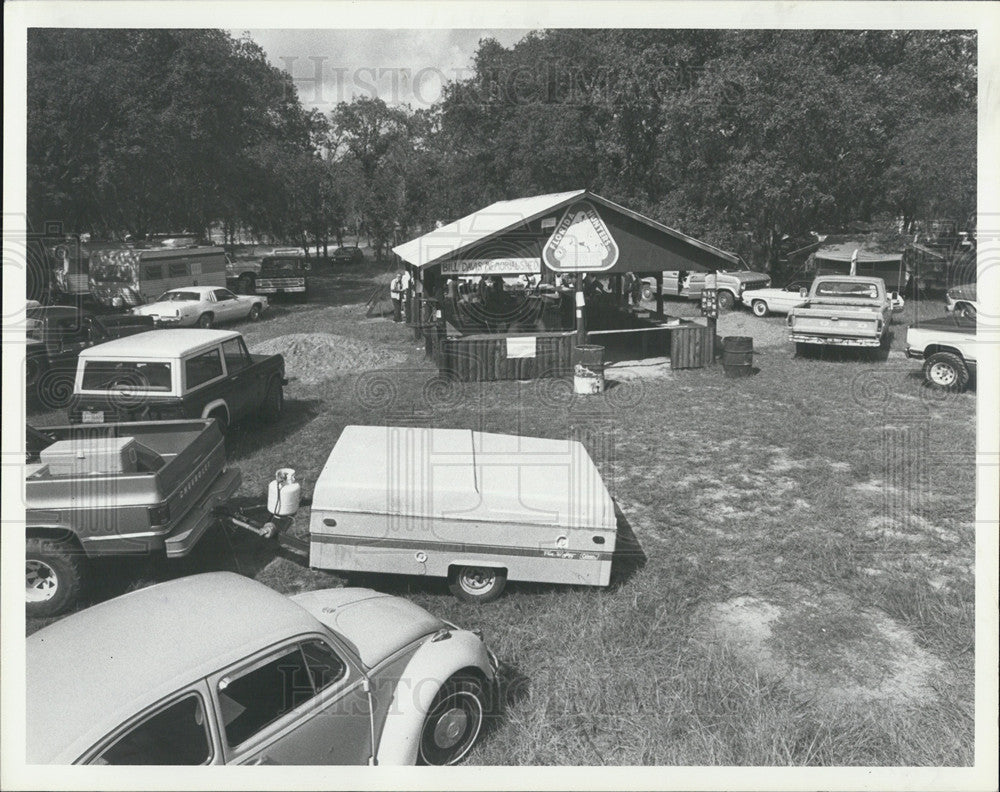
(737,356)
(588,369)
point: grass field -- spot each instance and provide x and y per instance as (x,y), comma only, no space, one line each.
(796,580)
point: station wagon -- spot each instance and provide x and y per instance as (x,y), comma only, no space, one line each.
(177,373)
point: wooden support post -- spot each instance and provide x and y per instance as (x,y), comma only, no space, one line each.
(659,295)
(581,311)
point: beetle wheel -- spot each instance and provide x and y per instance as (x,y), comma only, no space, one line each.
(453,722)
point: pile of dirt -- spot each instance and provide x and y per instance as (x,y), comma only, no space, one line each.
(827,647)
(315,357)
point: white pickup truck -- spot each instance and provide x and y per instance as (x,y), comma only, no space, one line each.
(842,310)
(948,348)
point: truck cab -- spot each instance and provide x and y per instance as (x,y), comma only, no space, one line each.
(282,274)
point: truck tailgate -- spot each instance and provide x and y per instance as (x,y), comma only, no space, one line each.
(839,323)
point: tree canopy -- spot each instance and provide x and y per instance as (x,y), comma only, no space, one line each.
(739,137)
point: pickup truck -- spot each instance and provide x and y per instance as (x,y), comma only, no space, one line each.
(283,274)
(842,310)
(730,284)
(948,348)
(241,275)
(116,490)
(177,373)
(55,336)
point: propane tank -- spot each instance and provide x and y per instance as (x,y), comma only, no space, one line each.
(283,493)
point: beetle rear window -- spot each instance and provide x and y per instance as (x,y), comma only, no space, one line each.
(100,375)
(174,736)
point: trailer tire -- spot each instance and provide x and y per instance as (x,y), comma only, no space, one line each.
(53,577)
(477,584)
(946,371)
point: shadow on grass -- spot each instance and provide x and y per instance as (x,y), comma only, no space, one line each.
(253,434)
(628,557)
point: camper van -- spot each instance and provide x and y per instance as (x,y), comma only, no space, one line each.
(126,277)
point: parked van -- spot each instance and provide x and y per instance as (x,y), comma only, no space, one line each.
(125,277)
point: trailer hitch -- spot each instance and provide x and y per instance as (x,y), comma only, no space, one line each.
(256,518)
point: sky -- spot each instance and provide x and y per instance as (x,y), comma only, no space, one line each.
(401,66)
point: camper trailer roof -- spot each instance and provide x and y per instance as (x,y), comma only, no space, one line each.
(460,474)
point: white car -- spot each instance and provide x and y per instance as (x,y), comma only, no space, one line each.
(220,669)
(777,301)
(962,301)
(202,306)
(780,301)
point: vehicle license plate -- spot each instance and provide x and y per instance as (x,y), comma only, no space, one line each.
(92,416)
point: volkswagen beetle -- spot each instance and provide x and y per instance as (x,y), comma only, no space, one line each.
(219,669)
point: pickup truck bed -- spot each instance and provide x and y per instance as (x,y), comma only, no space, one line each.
(948,347)
(113,490)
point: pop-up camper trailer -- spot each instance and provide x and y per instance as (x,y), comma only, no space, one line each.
(474,507)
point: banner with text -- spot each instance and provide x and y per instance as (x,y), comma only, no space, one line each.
(493,266)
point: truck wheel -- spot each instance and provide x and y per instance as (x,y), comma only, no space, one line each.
(205,320)
(246,283)
(966,311)
(477,584)
(946,371)
(53,575)
(254,314)
(726,300)
(453,723)
(274,402)
(759,308)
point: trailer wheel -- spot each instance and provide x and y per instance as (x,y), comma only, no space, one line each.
(477,584)
(53,577)
(946,371)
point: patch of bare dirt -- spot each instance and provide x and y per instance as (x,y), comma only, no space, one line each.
(314,357)
(827,647)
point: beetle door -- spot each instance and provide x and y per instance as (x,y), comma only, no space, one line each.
(306,703)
